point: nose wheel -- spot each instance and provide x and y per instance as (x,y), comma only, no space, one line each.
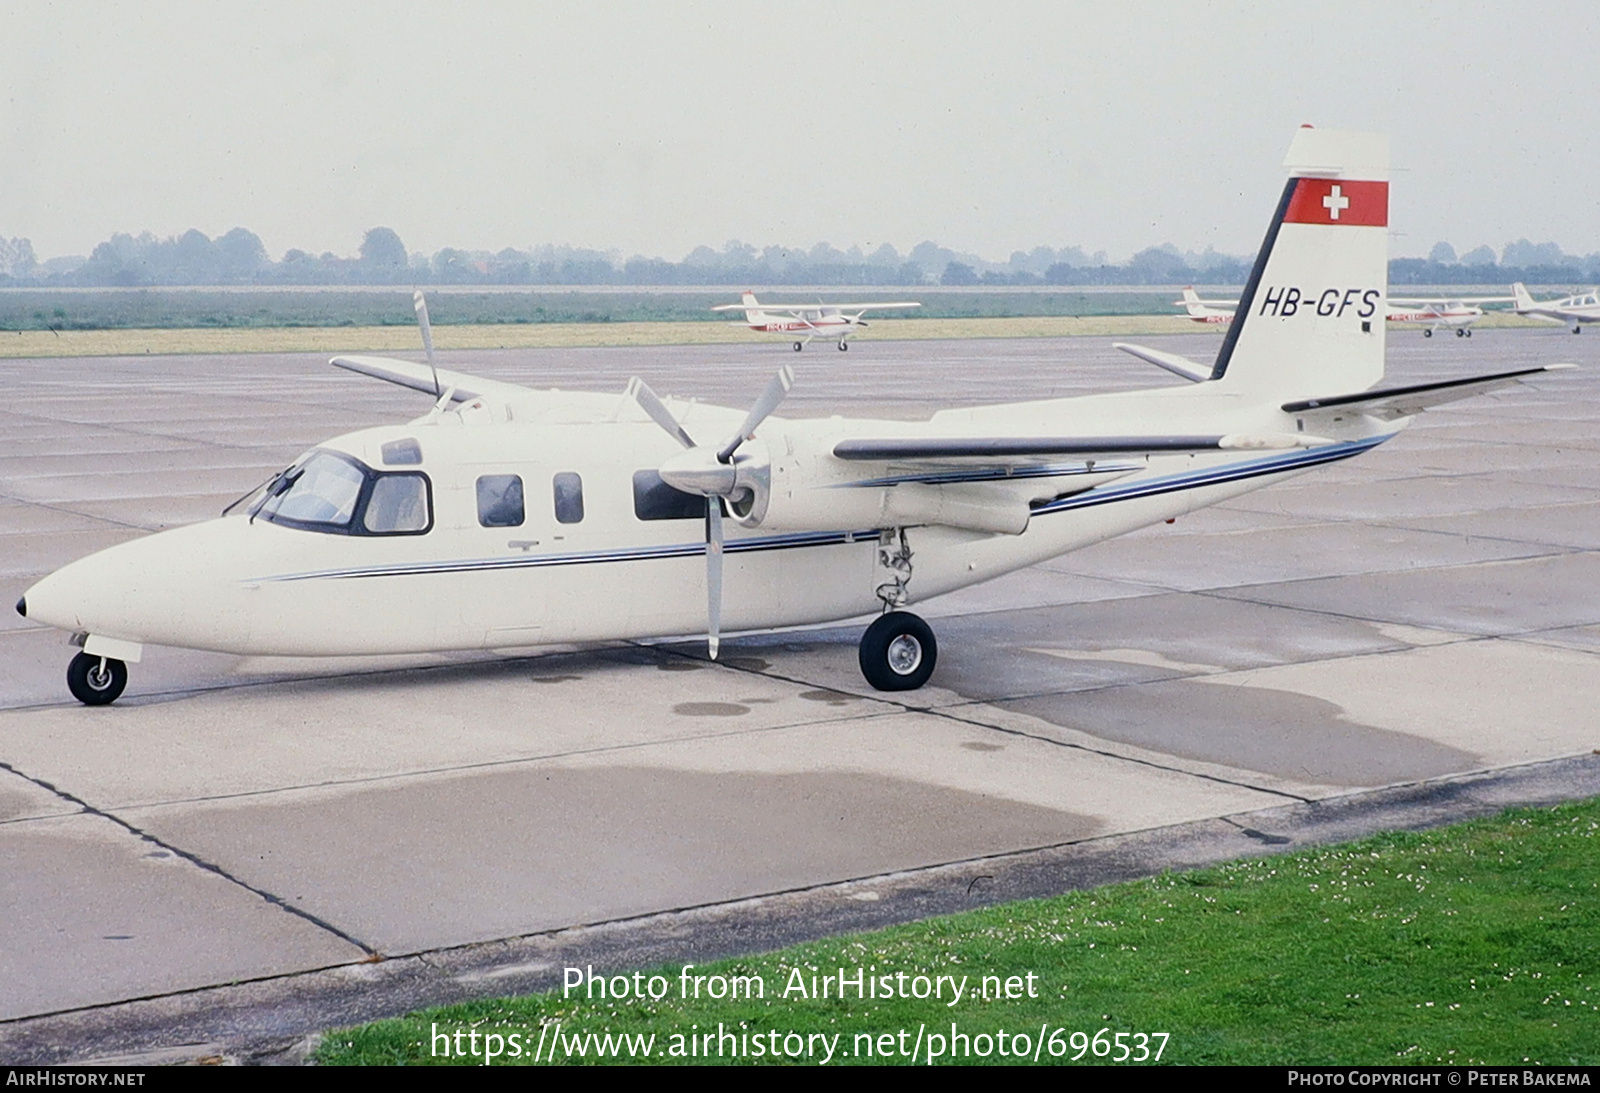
(96,681)
(898,652)
(843,345)
(799,346)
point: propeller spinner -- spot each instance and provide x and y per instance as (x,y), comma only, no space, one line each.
(711,472)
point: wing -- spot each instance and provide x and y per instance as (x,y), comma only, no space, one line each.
(997,448)
(1396,402)
(859,308)
(419,377)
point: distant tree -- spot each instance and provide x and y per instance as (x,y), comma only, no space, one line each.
(1479,256)
(958,273)
(240,256)
(1443,253)
(382,247)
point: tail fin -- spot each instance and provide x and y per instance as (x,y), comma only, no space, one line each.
(1311,319)
(1191,302)
(1519,291)
(752,309)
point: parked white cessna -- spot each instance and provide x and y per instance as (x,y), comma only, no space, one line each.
(509,517)
(1206,311)
(1434,313)
(835,321)
(1579,309)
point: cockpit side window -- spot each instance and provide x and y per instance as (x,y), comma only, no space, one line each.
(397,505)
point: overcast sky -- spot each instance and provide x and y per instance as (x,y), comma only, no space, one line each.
(653,127)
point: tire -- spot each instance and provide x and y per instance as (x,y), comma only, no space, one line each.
(1427,333)
(92,685)
(1469,333)
(1461,332)
(898,652)
(843,346)
(799,346)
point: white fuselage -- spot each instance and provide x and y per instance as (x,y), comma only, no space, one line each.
(250,586)
(1436,316)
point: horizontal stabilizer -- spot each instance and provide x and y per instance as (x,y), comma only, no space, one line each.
(979,447)
(1396,402)
(1180,366)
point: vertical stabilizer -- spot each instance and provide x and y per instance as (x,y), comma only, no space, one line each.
(1524,302)
(1310,321)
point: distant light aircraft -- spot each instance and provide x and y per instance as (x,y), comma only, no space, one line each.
(1206,311)
(834,321)
(1434,313)
(1583,307)
(507,517)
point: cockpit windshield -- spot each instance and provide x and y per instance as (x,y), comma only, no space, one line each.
(331,492)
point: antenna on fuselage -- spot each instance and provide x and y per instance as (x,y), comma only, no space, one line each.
(421,307)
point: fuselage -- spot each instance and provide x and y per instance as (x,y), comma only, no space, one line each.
(587,555)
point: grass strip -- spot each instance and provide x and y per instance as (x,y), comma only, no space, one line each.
(1475,943)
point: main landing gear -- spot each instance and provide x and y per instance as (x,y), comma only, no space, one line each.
(799,346)
(1576,329)
(1463,332)
(898,652)
(843,345)
(1428,333)
(96,681)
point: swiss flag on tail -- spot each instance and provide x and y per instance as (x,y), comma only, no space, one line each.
(1339,201)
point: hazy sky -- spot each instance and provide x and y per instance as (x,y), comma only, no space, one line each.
(652,127)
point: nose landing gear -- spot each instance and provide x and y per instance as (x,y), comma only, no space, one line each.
(96,681)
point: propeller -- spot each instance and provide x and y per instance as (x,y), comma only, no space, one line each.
(421,307)
(712,473)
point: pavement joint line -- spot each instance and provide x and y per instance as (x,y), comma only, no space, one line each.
(941,711)
(194,859)
(58,507)
(307,999)
(1549,549)
(492,764)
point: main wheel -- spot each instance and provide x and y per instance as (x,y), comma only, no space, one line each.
(1428,333)
(1577,329)
(843,345)
(1461,332)
(898,652)
(1468,332)
(798,346)
(96,681)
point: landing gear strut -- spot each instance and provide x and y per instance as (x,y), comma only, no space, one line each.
(96,681)
(898,652)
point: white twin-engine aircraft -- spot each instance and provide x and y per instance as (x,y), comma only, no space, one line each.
(1577,310)
(509,517)
(833,321)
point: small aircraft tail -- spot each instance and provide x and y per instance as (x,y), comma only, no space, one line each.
(752,309)
(1311,319)
(1524,301)
(1191,302)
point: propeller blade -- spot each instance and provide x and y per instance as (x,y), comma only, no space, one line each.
(714,573)
(640,392)
(768,402)
(421,307)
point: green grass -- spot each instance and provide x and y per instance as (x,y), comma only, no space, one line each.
(1474,943)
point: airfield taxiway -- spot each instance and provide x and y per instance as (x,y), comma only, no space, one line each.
(1426,611)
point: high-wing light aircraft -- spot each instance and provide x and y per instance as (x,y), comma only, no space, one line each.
(1435,313)
(833,321)
(1206,311)
(1431,314)
(508,517)
(1577,310)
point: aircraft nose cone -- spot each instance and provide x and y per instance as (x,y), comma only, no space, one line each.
(22,606)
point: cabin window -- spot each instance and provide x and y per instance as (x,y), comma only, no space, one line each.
(500,501)
(402,453)
(653,499)
(569,497)
(398,505)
